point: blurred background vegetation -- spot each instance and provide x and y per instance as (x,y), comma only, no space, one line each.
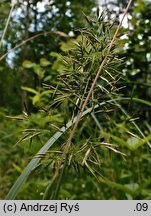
(30,112)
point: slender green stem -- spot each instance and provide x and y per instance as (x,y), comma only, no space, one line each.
(6,26)
(62,34)
(60,180)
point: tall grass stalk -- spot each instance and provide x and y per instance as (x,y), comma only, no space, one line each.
(67,146)
(59,33)
(7,23)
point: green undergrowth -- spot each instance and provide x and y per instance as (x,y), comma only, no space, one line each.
(109,157)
